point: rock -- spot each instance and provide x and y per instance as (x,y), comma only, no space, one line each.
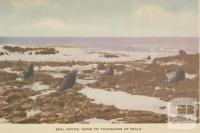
(182,52)
(149,57)
(18,114)
(7,108)
(28,120)
(13,97)
(47,51)
(101,66)
(107,108)
(13,49)
(110,56)
(55,94)
(3,104)
(1,53)
(163,107)
(2,90)
(19,107)
(38,50)
(4,76)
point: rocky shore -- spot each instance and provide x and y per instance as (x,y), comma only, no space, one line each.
(36,100)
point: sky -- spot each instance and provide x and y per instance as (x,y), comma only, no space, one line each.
(87,18)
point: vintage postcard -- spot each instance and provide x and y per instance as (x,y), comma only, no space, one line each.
(99,66)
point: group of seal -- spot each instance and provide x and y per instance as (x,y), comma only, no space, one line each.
(70,78)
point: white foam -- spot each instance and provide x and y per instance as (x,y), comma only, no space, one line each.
(78,54)
(10,70)
(138,68)
(190,76)
(19,79)
(97,121)
(50,68)
(56,74)
(116,86)
(63,68)
(157,88)
(32,112)
(37,86)
(43,93)
(170,75)
(187,75)
(3,120)
(123,100)
(86,81)
(179,63)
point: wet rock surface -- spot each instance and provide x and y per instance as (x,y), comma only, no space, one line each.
(1,53)
(41,51)
(71,106)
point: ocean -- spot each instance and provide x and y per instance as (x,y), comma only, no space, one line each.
(139,44)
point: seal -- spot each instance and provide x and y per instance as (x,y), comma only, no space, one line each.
(28,72)
(179,75)
(69,80)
